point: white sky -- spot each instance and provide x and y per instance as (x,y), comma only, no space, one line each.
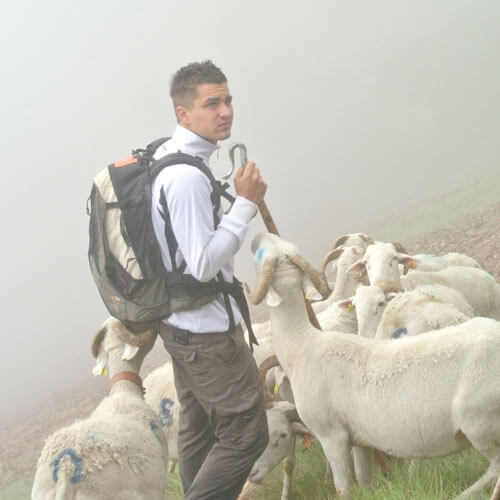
(353,111)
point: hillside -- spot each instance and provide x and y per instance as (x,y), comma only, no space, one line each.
(474,231)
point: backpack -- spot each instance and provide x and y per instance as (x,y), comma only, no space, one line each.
(124,254)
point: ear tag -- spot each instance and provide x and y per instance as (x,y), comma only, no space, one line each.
(411,265)
(350,307)
(100,366)
(276,388)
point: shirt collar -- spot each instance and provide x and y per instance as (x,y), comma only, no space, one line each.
(193,144)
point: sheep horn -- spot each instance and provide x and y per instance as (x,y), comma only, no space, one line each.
(96,341)
(334,253)
(340,241)
(399,247)
(127,337)
(265,276)
(318,279)
(265,366)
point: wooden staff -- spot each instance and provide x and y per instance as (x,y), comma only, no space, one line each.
(269,222)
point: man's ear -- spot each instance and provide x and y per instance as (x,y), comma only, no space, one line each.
(182,115)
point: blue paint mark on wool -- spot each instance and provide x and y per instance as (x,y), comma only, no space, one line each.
(259,254)
(78,474)
(400,332)
(166,417)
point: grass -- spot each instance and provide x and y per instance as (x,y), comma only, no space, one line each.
(439,213)
(437,479)
(20,489)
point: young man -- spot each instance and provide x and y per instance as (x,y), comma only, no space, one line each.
(222,422)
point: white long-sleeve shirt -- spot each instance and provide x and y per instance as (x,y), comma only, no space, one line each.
(205,250)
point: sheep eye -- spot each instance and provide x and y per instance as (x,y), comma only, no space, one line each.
(283,435)
(381,304)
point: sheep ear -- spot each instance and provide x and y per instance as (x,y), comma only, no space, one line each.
(346,304)
(310,290)
(100,366)
(272,298)
(129,351)
(358,267)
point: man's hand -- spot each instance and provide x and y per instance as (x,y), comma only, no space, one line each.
(249,184)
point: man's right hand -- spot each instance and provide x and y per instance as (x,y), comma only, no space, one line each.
(249,183)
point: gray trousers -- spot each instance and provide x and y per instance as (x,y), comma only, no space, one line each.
(222,419)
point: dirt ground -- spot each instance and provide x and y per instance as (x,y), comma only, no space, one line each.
(22,436)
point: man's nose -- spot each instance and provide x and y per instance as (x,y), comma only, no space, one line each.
(225,109)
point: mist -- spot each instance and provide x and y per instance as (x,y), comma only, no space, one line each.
(354,112)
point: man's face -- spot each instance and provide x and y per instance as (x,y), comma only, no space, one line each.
(211,113)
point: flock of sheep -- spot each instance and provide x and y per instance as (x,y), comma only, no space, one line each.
(405,364)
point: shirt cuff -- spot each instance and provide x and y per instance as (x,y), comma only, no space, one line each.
(237,219)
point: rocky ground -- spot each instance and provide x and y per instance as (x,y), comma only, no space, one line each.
(22,436)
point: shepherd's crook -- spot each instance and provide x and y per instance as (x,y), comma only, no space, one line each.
(268,220)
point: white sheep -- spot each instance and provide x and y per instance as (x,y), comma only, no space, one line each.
(390,315)
(477,286)
(284,427)
(119,451)
(424,396)
(283,424)
(433,262)
(161,395)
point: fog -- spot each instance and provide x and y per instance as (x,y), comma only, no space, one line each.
(354,112)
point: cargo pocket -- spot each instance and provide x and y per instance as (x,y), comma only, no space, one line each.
(242,431)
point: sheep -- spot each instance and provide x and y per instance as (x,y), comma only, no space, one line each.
(477,286)
(161,395)
(389,315)
(284,426)
(119,450)
(425,396)
(432,262)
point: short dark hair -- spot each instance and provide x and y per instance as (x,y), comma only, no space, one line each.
(183,87)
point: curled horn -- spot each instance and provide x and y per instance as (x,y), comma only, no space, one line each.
(333,254)
(399,247)
(265,366)
(318,279)
(264,282)
(368,239)
(340,241)
(96,341)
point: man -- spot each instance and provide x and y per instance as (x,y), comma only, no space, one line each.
(222,422)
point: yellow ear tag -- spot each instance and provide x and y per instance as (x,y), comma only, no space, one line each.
(411,265)
(350,307)
(276,388)
(103,371)
(306,442)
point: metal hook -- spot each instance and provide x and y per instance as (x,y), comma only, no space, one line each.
(243,157)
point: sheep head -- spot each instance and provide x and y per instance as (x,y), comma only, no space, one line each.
(270,252)
(113,335)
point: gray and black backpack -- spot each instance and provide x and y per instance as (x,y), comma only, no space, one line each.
(124,255)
